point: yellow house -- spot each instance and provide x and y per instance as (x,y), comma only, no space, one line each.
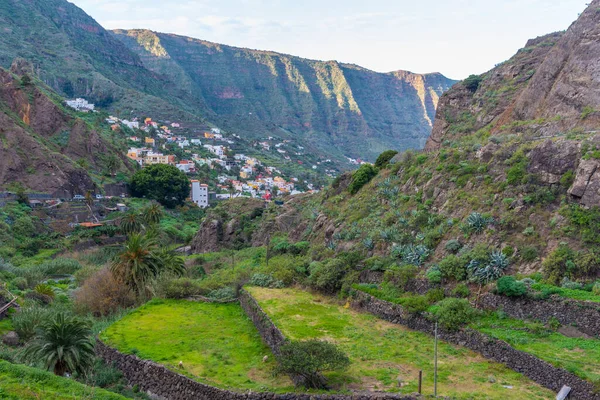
(150,141)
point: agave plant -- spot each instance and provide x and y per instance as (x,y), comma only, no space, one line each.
(368,243)
(411,254)
(490,271)
(477,223)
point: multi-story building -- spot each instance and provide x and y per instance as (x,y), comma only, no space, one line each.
(200,194)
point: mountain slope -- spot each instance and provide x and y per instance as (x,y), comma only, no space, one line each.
(45,147)
(341,105)
(493,187)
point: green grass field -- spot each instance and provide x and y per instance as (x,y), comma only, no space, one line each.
(18,382)
(577,355)
(217,343)
(574,294)
(382,352)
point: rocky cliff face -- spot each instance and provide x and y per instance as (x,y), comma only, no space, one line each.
(337,106)
(41,142)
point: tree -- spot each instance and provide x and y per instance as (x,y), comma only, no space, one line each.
(111,164)
(152,214)
(311,358)
(163,183)
(453,313)
(384,158)
(64,344)
(131,223)
(142,260)
(361,177)
(472,82)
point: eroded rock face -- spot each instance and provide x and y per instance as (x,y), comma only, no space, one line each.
(208,237)
(586,187)
(11,339)
(551,160)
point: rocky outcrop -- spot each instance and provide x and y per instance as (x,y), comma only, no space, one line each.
(586,186)
(569,78)
(551,160)
(493,101)
(41,143)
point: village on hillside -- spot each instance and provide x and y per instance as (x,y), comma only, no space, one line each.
(217,171)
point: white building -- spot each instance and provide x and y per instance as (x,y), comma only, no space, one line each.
(131,124)
(183,143)
(196,142)
(216,130)
(80,105)
(200,194)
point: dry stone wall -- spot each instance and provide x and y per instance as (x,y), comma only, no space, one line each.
(163,383)
(585,316)
(532,367)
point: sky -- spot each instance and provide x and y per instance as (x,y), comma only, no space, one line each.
(454,37)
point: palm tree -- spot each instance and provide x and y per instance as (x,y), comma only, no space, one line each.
(131,223)
(64,344)
(143,260)
(152,214)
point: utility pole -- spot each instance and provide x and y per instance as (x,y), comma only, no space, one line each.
(420,382)
(435,367)
(268,248)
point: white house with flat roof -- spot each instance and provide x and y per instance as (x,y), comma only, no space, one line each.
(200,194)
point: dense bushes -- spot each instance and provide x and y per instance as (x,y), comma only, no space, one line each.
(361,177)
(509,286)
(401,276)
(452,267)
(384,158)
(472,82)
(181,288)
(452,313)
(163,183)
(328,275)
(101,294)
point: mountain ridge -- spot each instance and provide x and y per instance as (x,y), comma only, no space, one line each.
(301,95)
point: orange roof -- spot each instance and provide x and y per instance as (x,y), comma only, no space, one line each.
(90,225)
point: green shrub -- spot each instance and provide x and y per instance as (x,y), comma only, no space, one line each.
(509,286)
(223,294)
(461,290)
(453,246)
(415,304)
(529,253)
(452,267)
(596,289)
(310,359)
(434,275)
(361,177)
(517,173)
(27,320)
(401,276)
(328,275)
(384,158)
(569,284)
(181,288)
(435,295)
(472,82)
(560,263)
(264,280)
(452,313)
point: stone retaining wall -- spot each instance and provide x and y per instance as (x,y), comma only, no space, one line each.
(163,383)
(269,332)
(583,315)
(532,367)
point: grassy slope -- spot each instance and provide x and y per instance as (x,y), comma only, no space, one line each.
(576,355)
(381,352)
(573,354)
(18,382)
(575,294)
(216,342)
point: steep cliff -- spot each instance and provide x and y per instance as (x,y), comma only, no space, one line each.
(333,105)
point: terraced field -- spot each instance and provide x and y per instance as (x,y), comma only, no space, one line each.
(18,382)
(385,355)
(217,343)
